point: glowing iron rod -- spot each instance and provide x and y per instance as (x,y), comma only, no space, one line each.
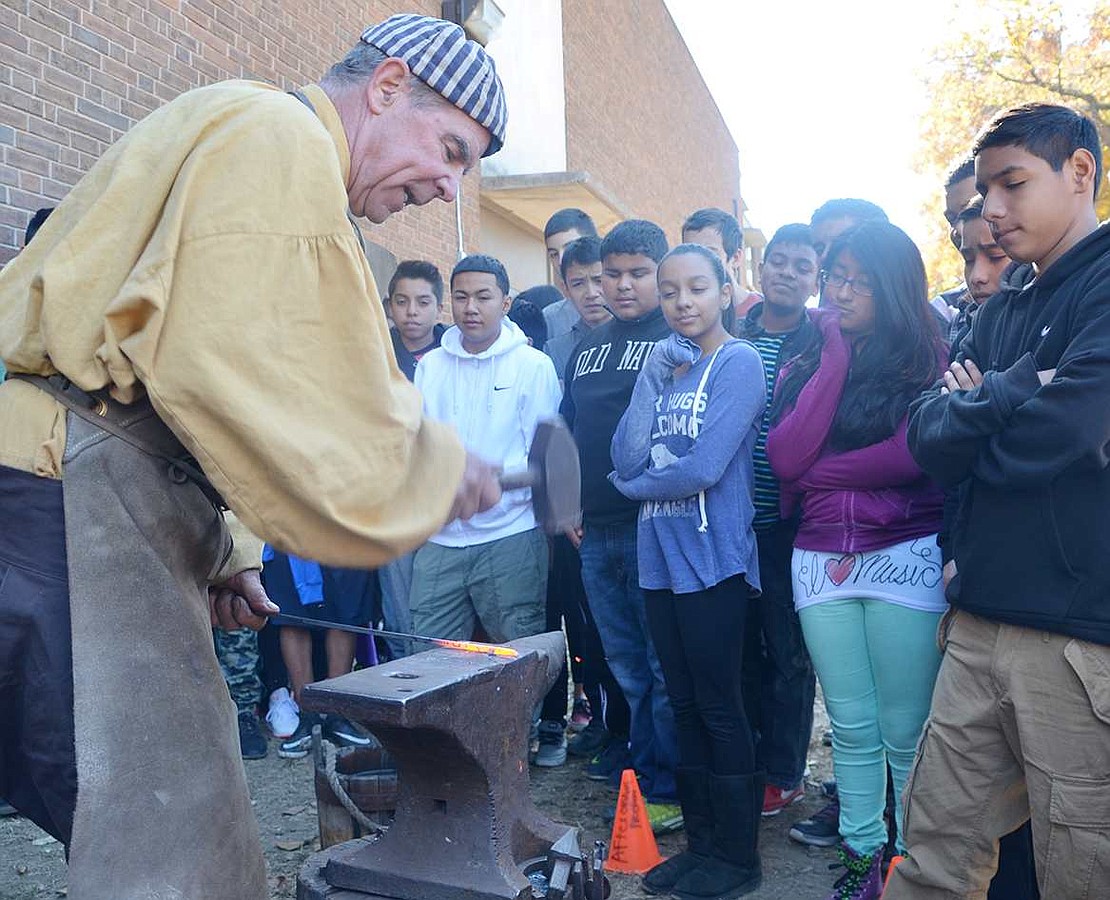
(465,646)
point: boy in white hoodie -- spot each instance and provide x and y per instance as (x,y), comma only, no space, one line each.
(486,381)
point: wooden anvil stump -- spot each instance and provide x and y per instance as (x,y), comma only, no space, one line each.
(456,725)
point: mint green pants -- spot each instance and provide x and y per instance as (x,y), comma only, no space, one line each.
(877,663)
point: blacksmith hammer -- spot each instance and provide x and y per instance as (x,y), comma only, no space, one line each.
(553,475)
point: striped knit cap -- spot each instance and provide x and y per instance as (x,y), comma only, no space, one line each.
(440,54)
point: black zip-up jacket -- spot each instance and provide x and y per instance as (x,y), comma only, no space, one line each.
(597,386)
(405,360)
(1032,536)
(797,340)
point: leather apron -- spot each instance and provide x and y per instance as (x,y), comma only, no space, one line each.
(162,804)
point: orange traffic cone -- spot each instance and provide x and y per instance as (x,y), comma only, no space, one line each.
(894,860)
(632,848)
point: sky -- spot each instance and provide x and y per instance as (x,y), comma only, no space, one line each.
(823,98)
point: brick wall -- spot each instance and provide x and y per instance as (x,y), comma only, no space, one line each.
(76,74)
(639,116)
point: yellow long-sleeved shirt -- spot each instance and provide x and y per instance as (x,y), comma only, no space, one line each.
(207,258)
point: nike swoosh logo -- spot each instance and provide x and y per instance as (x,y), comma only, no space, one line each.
(1046,330)
(503,387)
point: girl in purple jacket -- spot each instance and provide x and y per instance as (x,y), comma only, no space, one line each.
(866,567)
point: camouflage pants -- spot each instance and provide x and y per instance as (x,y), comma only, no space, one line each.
(237,652)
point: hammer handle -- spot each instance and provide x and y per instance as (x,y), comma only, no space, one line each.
(521,478)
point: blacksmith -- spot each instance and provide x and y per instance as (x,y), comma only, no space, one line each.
(197,326)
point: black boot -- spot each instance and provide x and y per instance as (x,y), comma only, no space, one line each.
(697,816)
(733,869)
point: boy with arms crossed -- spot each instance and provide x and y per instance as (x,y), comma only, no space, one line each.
(1020,723)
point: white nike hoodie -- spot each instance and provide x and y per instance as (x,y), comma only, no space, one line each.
(494,399)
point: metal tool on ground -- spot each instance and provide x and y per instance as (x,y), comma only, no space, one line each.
(553,475)
(447,644)
(567,874)
(456,726)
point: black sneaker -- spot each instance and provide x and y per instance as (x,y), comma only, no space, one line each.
(552,750)
(590,741)
(343,731)
(822,829)
(299,742)
(610,762)
(252,742)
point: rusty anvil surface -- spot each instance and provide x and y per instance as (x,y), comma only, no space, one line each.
(457,727)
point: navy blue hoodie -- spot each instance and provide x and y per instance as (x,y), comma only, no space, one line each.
(1032,535)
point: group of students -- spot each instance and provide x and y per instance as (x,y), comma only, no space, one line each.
(907,468)
(772,491)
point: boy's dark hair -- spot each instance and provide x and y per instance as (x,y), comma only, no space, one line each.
(570,219)
(583,252)
(635,236)
(479,262)
(418,268)
(529,318)
(859,211)
(963,170)
(37,220)
(1052,133)
(540,296)
(732,238)
(714,260)
(794,233)
(973,210)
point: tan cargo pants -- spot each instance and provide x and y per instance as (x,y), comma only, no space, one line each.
(1019,729)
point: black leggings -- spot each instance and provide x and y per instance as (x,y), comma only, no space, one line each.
(699,638)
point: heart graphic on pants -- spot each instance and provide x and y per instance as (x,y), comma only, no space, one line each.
(838,570)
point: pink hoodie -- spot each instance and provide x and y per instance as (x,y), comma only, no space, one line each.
(854,501)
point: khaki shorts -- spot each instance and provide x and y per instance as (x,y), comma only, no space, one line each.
(502,584)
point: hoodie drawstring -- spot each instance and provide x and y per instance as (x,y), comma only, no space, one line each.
(695,428)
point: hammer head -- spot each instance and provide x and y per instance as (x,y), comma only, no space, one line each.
(556,477)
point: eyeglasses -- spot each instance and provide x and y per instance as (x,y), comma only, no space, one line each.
(836,282)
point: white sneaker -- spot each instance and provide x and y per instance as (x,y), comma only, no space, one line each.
(284,715)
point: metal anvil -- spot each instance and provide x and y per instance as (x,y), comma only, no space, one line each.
(456,725)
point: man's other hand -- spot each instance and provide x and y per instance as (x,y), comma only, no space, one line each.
(240,602)
(478,491)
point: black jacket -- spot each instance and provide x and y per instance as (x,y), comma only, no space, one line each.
(406,361)
(597,386)
(795,343)
(1032,536)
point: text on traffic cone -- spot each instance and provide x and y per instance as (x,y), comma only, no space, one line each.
(632,849)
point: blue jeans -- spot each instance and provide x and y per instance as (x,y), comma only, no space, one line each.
(779,685)
(612,580)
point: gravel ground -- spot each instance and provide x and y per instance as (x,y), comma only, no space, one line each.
(32,864)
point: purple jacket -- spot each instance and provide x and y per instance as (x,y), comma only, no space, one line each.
(855,501)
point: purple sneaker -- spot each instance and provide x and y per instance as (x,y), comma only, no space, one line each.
(864,878)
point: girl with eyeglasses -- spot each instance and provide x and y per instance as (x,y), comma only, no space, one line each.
(866,567)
